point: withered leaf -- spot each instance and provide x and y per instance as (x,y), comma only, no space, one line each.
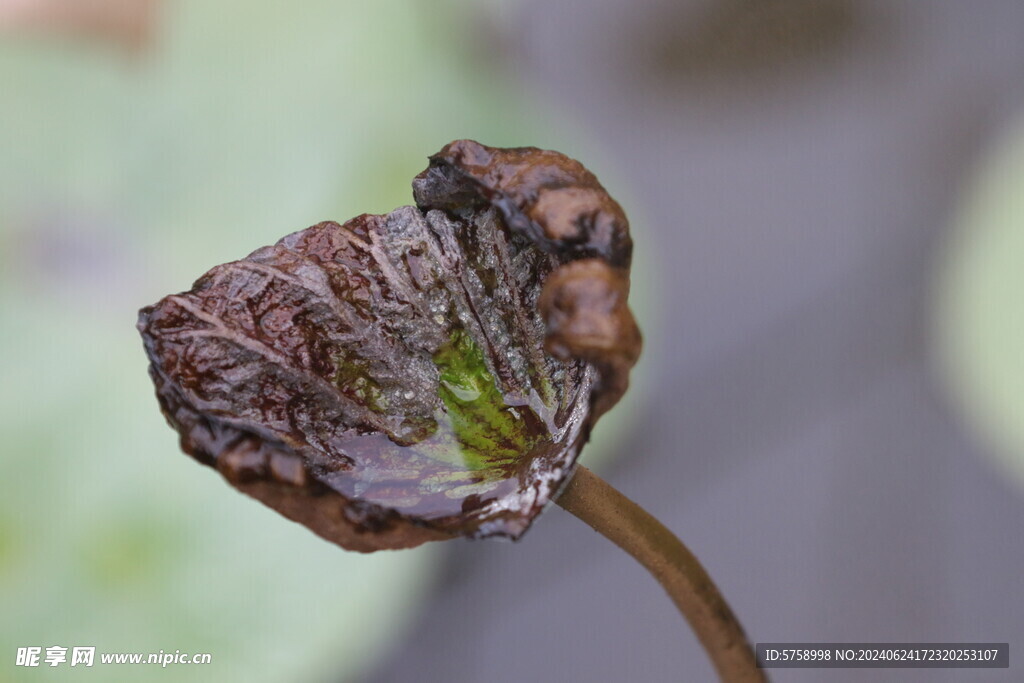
(416,376)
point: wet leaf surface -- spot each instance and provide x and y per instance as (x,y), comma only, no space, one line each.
(425,374)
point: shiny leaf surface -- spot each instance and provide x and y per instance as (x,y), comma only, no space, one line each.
(425,374)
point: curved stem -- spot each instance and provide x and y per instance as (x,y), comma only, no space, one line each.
(630,527)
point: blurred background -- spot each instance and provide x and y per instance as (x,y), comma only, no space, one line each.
(827,198)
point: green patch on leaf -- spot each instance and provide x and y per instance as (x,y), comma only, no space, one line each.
(489,432)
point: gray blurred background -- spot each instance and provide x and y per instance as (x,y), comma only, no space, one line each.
(826,198)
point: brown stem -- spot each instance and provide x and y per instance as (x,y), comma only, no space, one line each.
(630,527)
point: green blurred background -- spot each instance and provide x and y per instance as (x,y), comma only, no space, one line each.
(125,174)
(979,296)
(128,170)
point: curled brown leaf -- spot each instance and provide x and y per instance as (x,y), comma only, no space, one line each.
(422,375)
